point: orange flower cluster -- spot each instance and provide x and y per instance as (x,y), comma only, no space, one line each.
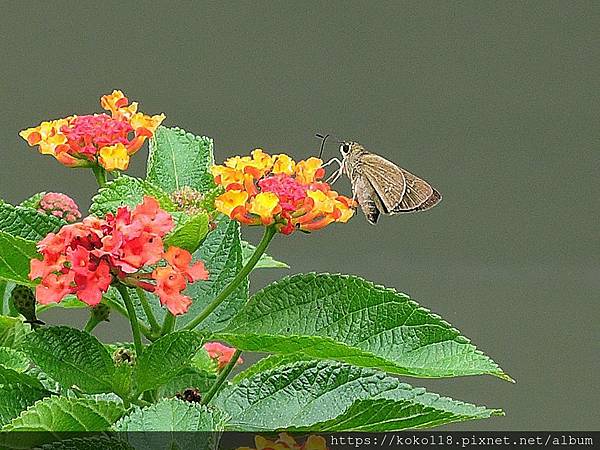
(285,442)
(266,190)
(96,139)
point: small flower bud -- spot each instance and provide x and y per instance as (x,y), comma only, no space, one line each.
(23,300)
(124,356)
(188,200)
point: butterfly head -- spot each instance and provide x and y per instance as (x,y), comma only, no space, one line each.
(347,147)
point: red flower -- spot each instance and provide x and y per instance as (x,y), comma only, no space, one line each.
(221,353)
(84,258)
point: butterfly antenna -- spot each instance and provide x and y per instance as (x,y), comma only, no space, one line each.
(323,139)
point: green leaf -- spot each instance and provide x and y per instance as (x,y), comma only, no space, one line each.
(15,254)
(127,191)
(268,363)
(189,233)
(188,378)
(18,391)
(349,319)
(12,331)
(323,395)
(222,255)
(112,442)
(72,357)
(178,158)
(265,262)
(13,359)
(27,223)
(33,201)
(162,360)
(57,414)
(172,417)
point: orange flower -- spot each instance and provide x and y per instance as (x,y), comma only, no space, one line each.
(266,190)
(96,139)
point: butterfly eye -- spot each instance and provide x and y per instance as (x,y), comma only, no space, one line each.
(344,148)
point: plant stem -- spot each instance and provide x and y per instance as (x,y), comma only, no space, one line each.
(144,329)
(147,309)
(135,326)
(100,175)
(91,323)
(221,378)
(241,276)
(168,324)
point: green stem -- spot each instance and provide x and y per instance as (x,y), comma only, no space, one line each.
(144,329)
(135,326)
(241,276)
(168,324)
(91,323)
(100,175)
(154,326)
(221,378)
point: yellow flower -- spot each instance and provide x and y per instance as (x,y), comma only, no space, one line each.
(144,124)
(309,170)
(230,200)
(323,203)
(118,104)
(47,135)
(114,157)
(257,166)
(226,175)
(265,205)
(283,164)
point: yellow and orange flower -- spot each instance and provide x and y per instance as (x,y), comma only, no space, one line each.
(96,139)
(287,442)
(264,190)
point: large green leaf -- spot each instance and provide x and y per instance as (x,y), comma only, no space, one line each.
(67,414)
(189,233)
(72,357)
(15,254)
(12,331)
(13,359)
(349,319)
(162,360)
(265,262)
(33,201)
(18,391)
(178,158)
(27,223)
(172,415)
(312,394)
(127,191)
(268,363)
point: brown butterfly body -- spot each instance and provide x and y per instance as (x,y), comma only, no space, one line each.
(381,187)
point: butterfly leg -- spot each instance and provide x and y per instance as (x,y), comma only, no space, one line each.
(332,160)
(334,177)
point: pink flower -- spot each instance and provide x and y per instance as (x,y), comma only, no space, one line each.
(60,205)
(84,258)
(221,353)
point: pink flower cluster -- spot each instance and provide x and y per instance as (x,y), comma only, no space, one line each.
(60,205)
(85,258)
(221,354)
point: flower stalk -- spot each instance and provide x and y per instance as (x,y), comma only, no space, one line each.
(154,325)
(221,378)
(100,175)
(270,231)
(135,326)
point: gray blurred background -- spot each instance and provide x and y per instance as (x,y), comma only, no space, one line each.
(495,103)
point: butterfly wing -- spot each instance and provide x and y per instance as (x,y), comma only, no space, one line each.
(367,198)
(418,195)
(386,178)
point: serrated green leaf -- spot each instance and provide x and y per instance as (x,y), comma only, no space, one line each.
(178,158)
(12,331)
(127,191)
(265,262)
(72,357)
(33,201)
(58,414)
(349,319)
(314,394)
(189,233)
(27,223)
(15,254)
(164,358)
(13,359)
(112,442)
(18,391)
(268,363)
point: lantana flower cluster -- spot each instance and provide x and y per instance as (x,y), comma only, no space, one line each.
(221,354)
(275,190)
(286,442)
(85,258)
(59,205)
(96,139)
